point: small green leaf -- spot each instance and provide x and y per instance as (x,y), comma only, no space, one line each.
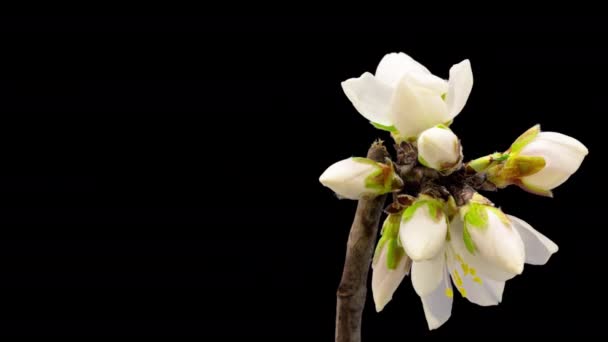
(390,128)
(468,242)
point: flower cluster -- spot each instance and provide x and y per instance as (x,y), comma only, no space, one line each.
(442,239)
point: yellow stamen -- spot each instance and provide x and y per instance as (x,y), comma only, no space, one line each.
(465,268)
(457,278)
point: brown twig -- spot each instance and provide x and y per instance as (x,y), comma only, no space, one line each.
(361,240)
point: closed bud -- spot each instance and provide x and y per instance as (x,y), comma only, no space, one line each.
(423,228)
(440,149)
(537,161)
(490,234)
(354,178)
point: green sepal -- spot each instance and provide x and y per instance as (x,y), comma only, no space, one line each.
(435,208)
(476,215)
(525,139)
(394,253)
(390,128)
(364,161)
(389,231)
(483,163)
(378,250)
(383,178)
(468,241)
(422,161)
(522,166)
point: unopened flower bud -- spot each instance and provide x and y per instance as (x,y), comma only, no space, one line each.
(423,228)
(440,149)
(354,178)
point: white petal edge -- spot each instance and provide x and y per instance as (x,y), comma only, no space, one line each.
(564,140)
(538,247)
(427,274)
(476,288)
(460,85)
(394,66)
(437,306)
(370,97)
(385,281)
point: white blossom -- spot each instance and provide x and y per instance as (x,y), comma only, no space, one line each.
(405,97)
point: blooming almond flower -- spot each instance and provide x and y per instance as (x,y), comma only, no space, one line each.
(354,178)
(480,251)
(440,149)
(537,161)
(390,264)
(405,98)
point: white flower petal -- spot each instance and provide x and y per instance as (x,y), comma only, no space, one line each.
(427,274)
(480,264)
(394,66)
(563,156)
(538,247)
(370,97)
(416,107)
(475,287)
(460,85)
(499,243)
(429,81)
(423,236)
(437,306)
(386,281)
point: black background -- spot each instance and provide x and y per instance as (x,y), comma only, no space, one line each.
(159,175)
